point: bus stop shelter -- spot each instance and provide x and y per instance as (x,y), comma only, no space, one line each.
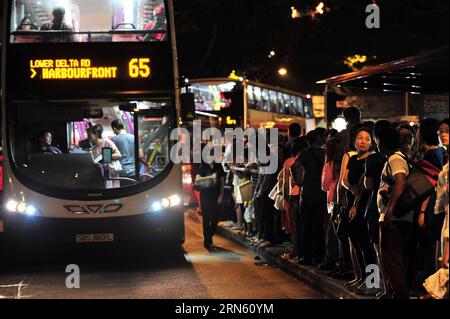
(418,75)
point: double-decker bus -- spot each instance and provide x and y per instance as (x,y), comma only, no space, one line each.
(239,103)
(225,102)
(70,68)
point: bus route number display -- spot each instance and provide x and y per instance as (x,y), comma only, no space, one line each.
(85,69)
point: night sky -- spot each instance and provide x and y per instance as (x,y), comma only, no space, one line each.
(215,37)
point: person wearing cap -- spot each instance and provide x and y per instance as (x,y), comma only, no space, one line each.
(57,24)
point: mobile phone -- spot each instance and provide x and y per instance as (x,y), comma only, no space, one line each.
(107,155)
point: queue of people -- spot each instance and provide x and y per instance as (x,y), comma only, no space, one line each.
(338,199)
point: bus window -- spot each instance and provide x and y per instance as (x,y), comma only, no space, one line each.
(280,103)
(287,103)
(210,97)
(300,109)
(88,21)
(273,101)
(250,97)
(265,100)
(75,132)
(308,109)
(258,98)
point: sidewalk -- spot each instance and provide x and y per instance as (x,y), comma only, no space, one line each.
(310,275)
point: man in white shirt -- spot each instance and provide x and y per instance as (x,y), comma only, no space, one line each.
(396,233)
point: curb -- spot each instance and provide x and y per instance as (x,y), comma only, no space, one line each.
(309,275)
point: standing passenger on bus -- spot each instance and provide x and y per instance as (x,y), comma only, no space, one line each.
(57,24)
(125,143)
(96,133)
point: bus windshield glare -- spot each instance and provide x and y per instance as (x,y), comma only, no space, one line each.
(35,21)
(93,145)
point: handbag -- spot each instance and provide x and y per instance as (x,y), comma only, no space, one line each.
(420,184)
(207,184)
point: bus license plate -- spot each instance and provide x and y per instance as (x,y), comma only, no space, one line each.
(94,238)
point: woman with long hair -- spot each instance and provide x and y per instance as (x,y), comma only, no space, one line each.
(364,253)
(330,179)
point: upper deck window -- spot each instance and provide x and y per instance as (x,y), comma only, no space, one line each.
(34,21)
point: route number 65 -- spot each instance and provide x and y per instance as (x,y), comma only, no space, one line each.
(139,68)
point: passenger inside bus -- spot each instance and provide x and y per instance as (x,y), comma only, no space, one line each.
(27,24)
(202,104)
(113,170)
(158,23)
(88,143)
(45,144)
(57,24)
(125,143)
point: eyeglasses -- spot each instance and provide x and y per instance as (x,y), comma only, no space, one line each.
(407,136)
(442,131)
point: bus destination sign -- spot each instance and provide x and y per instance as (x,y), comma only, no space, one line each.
(87,69)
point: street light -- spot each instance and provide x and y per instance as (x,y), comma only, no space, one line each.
(282,71)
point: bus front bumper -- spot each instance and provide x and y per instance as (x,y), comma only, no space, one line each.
(16,228)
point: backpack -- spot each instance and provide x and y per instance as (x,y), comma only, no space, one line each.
(420,184)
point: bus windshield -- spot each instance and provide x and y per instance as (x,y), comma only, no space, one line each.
(90,145)
(88,21)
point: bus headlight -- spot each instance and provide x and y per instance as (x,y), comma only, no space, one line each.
(31,210)
(165,203)
(175,200)
(21,208)
(157,206)
(12,206)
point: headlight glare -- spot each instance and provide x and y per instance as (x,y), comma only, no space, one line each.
(12,206)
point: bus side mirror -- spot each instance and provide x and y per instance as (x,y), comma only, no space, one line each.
(187,107)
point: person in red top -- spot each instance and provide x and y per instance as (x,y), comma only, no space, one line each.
(297,146)
(330,179)
(158,23)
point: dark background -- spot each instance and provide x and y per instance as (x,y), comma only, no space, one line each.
(216,37)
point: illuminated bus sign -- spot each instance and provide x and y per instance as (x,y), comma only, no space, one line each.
(87,69)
